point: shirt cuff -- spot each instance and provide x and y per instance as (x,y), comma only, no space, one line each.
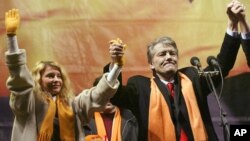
(245,35)
(232,33)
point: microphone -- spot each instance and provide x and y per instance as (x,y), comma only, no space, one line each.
(212,61)
(195,61)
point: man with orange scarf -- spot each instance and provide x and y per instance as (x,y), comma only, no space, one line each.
(179,112)
(114,123)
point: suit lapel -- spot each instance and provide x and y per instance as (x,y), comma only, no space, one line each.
(180,102)
(181,108)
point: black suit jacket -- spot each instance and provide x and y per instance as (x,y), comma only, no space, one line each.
(246,49)
(136,94)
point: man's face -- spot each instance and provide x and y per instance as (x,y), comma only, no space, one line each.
(109,108)
(51,80)
(164,61)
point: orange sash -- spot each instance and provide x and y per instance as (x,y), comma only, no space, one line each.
(116,127)
(66,121)
(161,127)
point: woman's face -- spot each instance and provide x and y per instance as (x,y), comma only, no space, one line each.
(51,80)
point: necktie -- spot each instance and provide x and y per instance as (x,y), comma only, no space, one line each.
(183,136)
(171,89)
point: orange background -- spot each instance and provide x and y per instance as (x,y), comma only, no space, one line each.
(76,33)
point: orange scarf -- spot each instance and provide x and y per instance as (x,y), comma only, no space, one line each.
(66,121)
(116,127)
(94,138)
(159,110)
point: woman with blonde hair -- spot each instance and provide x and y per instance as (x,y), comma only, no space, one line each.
(66,91)
(44,106)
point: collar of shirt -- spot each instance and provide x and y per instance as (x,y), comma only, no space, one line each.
(166,82)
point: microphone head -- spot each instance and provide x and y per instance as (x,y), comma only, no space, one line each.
(211,60)
(195,61)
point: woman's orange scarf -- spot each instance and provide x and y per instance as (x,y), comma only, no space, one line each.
(66,121)
(116,127)
(161,127)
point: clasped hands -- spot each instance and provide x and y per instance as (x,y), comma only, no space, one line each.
(116,50)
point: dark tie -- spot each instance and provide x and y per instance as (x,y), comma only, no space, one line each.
(183,136)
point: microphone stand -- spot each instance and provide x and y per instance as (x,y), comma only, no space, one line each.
(223,114)
(208,75)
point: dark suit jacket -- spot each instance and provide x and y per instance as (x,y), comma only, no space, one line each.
(136,94)
(246,49)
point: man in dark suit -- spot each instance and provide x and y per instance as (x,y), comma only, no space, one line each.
(172,105)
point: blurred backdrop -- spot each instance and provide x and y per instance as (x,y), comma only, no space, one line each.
(76,34)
